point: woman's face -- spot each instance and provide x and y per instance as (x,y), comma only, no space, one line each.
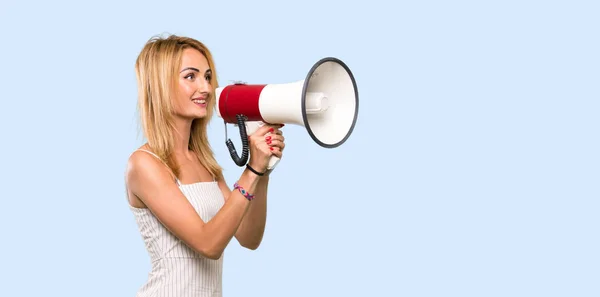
(193,85)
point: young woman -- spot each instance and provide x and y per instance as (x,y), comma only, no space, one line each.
(185,211)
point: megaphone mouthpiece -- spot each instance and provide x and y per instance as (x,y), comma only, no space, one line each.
(316,102)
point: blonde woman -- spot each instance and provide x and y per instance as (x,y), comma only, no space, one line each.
(186,212)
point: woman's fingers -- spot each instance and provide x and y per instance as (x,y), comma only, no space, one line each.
(274,137)
(270,138)
(276,143)
(275,140)
(276,151)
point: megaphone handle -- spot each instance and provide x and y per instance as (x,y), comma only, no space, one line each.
(251,127)
(243,159)
(273,162)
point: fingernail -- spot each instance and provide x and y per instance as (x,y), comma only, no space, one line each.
(268,138)
(271,130)
(271,148)
(268,142)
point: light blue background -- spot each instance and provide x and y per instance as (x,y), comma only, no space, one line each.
(473,169)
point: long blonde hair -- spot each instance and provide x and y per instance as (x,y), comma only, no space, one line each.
(156,71)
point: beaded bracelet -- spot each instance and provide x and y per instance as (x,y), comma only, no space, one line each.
(248,196)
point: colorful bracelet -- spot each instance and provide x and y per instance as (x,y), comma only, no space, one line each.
(248,196)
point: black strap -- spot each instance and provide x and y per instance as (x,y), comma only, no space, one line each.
(254,170)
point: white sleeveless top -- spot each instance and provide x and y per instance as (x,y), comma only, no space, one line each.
(177,270)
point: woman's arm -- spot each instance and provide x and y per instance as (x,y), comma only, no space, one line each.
(252,228)
(153,184)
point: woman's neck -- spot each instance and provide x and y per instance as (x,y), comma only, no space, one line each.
(182,137)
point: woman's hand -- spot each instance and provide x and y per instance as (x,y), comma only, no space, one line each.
(267,141)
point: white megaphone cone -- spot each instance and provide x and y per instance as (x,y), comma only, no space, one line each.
(325,103)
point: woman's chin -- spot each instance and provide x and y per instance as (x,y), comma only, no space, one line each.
(200,114)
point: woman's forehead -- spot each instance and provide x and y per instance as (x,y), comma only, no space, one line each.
(193,58)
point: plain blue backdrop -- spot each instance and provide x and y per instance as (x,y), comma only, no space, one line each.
(473,169)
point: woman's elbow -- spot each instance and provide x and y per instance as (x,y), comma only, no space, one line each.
(213,254)
(251,245)
(208,252)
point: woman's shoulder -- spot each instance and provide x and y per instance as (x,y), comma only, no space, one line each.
(142,156)
(143,162)
(142,152)
(146,175)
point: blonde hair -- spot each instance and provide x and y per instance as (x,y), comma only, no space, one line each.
(156,72)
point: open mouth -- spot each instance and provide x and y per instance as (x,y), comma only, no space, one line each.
(200,102)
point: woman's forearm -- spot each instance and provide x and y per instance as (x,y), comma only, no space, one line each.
(252,228)
(219,231)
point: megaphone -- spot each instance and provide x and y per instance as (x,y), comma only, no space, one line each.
(325,103)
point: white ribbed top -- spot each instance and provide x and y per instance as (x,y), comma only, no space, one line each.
(177,270)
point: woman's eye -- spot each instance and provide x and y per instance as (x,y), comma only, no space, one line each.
(190,76)
(208,77)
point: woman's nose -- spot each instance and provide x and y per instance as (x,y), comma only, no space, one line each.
(203,85)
